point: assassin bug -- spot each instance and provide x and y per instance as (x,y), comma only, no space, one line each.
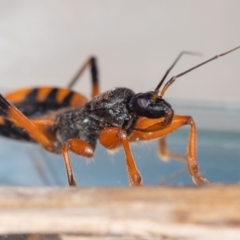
(62,120)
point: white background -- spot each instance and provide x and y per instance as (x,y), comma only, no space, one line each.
(45,42)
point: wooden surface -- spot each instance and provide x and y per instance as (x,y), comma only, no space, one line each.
(210,212)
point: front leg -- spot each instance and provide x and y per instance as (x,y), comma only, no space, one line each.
(150,132)
(165,154)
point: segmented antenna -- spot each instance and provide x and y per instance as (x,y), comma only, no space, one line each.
(173,79)
(156,91)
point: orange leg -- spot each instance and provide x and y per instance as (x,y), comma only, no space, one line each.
(94,74)
(79,147)
(152,125)
(167,155)
(37,133)
(112,138)
(177,122)
(26,124)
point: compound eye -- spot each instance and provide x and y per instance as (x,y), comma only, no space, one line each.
(142,103)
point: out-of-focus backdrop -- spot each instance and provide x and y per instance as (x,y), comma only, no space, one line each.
(45,42)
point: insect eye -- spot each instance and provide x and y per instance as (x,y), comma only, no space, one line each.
(142,103)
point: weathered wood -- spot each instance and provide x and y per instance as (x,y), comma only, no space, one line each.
(210,212)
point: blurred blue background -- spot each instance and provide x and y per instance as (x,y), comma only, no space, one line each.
(24,164)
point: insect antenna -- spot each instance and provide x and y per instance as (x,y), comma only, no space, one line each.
(172,80)
(156,91)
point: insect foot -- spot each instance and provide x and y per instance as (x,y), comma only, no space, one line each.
(199,180)
(136,180)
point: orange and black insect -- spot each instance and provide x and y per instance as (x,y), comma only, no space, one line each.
(62,120)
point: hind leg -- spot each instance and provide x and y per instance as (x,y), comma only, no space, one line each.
(92,63)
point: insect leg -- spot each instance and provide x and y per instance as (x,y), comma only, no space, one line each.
(92,62)
(25,123)
(151,125)
(177,122)
(167,155)
(79,147)
(112,138)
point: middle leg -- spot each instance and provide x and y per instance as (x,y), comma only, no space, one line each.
(113,137)
(79,147)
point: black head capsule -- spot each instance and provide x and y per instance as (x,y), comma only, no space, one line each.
(144,106)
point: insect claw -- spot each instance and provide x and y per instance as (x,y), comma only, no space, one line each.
(199,180)
(73,182)
(136,181)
